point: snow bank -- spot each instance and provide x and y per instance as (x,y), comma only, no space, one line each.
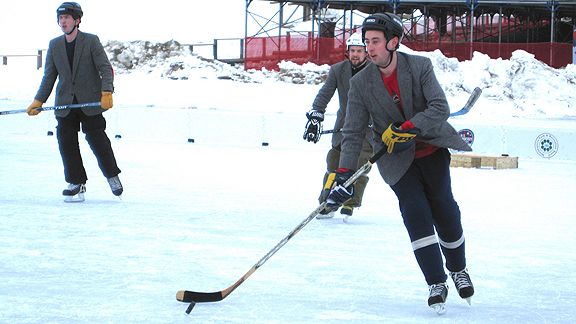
(521,86)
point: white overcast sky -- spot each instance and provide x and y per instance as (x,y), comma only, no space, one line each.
(29,25)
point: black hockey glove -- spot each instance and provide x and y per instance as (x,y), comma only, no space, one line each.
(313,126)
(339,194)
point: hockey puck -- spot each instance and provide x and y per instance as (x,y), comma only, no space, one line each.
(190,140)
(118,136)
(265,144)
(50,133)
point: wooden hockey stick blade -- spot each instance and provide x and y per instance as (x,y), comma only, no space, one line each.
(469,104)
(187,296)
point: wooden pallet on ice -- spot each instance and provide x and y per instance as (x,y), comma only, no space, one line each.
(482,161)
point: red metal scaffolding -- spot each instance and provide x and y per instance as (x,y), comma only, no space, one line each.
(457,28)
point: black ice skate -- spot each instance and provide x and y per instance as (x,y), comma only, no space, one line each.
(347,212)
(115,185)
(74,193)
(437,297)
(325,215)
(463,284)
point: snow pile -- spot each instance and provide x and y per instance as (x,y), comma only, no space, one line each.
(530,85)
(525,84)
(308,73)
(175,61)
(168,60)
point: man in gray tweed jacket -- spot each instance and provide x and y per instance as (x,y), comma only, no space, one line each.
(400,94)
(79,63)
(339,79)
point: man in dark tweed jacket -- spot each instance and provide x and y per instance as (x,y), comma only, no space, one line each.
(338,79)
(400,95)
(79,63)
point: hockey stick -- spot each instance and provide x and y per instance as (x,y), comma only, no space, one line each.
(471,101)
(83,105)
(331,131)
(194,297)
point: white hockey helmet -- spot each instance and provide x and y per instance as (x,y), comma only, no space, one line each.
(354,40)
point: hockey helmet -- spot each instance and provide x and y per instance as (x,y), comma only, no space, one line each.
(354,40)
(70,8)
(389,23)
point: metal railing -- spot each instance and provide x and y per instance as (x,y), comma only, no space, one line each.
(236,55)
(38,58)
(220,55)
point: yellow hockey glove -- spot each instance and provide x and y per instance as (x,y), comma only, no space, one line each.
(398,139)
(31,110)
(106,100)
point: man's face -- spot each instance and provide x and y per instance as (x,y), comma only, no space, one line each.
(376,46)
(66,22)
(357,55)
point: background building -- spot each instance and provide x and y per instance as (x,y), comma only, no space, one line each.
(316,30)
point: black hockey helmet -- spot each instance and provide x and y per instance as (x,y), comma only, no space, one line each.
(71,8)
(389,23)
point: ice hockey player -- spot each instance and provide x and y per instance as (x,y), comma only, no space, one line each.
(338,79)
(80,64)
(400,94)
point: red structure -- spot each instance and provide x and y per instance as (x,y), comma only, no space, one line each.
(457,28)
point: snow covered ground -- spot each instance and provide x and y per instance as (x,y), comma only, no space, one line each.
(198,215)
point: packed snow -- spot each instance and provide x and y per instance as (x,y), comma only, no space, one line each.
(205,199)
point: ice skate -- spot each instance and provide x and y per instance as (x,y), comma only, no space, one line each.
(74,193)
(437,297)
(323,215)
(115,186)
(463,284)
(347,212)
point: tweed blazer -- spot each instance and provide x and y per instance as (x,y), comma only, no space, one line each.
(424,104)
(91,73)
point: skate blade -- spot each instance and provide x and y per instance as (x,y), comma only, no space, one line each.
(74,199)
(469,301)
(346,219)
(325,216)
(439,308)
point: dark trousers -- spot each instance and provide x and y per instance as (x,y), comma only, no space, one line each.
(428,207)
(94,127)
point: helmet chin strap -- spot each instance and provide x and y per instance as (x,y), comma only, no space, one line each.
(391,52)
(75,26)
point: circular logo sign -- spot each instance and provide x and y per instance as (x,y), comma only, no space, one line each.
(546,145)
(467,135)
